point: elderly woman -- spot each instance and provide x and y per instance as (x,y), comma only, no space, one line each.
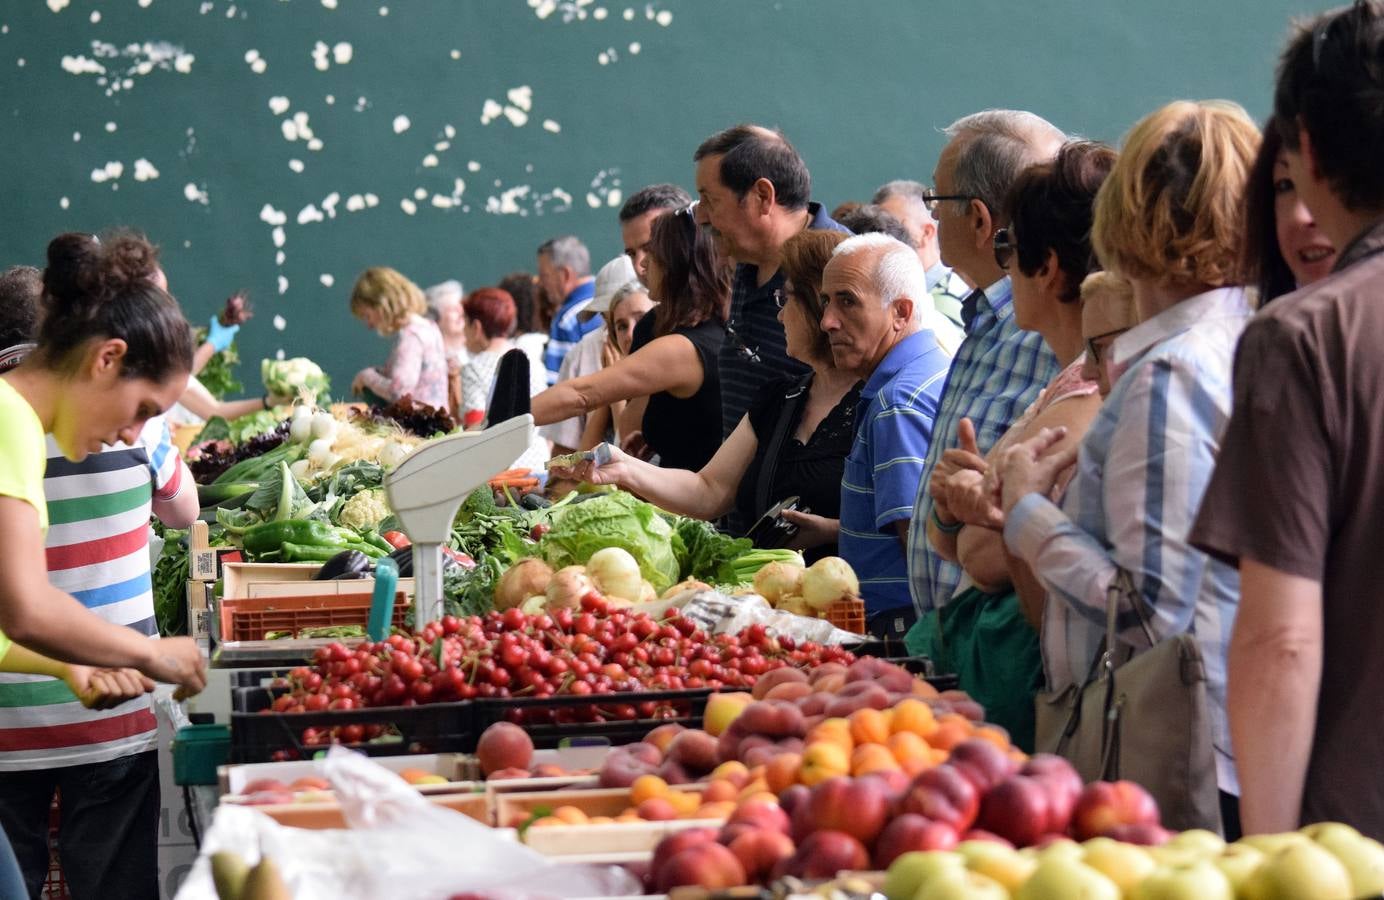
(1168,219)
(792,442)
(390,304)
(981,633)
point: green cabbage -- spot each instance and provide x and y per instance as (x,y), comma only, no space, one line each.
(614,520)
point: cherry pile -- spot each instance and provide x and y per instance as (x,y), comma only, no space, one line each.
(591,651)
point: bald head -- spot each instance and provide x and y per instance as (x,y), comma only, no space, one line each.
(992,147)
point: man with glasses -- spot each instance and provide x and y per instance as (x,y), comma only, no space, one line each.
(754,193)
(999,369)
(907,202)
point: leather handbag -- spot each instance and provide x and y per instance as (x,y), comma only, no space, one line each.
(1140,716)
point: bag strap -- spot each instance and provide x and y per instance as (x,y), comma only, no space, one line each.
(1121,586)
(794,400)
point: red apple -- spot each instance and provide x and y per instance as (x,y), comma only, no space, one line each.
(674,844)
(1017,810)
(855,806)
(910,832)
(707,865)
(983,764)
(823,854)
(760,851)
(944,795)
(1063,785)
(761,814)
(1103,805)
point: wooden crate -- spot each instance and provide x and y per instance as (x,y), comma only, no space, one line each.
(601,841)
(459,769)
(512,810)
(328,814)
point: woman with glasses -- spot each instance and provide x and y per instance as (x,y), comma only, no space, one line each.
(677,370)
(987,634)
(792,442)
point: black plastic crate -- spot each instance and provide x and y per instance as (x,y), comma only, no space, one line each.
(566,718)
(257,736)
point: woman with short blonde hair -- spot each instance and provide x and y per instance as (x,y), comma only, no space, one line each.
(1167,219)
(390,304)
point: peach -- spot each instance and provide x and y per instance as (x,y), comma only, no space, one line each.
(792,690)
(782,771)
(694,750)
(836,731)
(600,820)
(707,865)
(921,688)
(734,771)
(546,822)
(869,726)
(869,758)
(774,677)
(684,802)
(830,684)
(951,730)
(912,753)
(646,787)
(994,734)
(663,735)
(720,790)
(765,796)
(814,704)
(823,760)
(760,851)
(721,711)
(749,790)
(718,810)
(504,745)
(657,809)
(571,815)
(914,717)
(822,671)
(772,718)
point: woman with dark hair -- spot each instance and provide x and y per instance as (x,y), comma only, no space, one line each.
(987,633)
(1283,249)
(792,442)
(677,370)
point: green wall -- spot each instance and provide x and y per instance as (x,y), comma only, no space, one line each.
(861,87)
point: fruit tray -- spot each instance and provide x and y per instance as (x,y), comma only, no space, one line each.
(620,718)
(328,814)
(259,736)
(251,618)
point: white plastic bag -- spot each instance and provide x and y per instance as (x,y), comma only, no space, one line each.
(717,613)
(399,846)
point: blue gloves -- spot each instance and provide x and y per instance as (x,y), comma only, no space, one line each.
(220,336)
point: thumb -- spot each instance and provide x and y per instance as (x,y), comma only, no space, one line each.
(966,436)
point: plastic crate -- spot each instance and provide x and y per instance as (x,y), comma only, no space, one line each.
(197,751)
(259,736)
(251,618)
(593,719)
(848,615)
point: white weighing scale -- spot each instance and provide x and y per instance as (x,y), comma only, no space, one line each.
(427,488)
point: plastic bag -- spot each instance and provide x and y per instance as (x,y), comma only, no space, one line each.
(399,846)
(718,613)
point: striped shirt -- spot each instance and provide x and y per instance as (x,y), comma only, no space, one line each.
(98,551)
(568,328)
(893,431)
(1140,476)
(997,374)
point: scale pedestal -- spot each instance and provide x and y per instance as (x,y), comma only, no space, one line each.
(428,487)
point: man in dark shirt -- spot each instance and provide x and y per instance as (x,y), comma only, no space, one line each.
(754,190)
(1297,497)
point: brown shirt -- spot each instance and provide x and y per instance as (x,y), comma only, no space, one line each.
(1299,487)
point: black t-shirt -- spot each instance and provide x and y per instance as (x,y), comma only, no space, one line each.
(812,471)
(686,433)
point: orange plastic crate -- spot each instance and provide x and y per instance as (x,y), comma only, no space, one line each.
(251,618)
(848,615)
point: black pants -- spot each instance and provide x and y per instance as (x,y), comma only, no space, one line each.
(891,625)
(108,831)
(1230,817)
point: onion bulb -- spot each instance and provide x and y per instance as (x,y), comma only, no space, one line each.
(828,580)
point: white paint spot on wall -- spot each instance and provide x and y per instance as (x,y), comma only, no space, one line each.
(278,235)
(599,13)
(456,54)
(541,8)
(442,146)
(449,131)
(614,197)
(603,58)
(95,16)
(110,127)
(283,285)
(279,258)
(296,165)
(58,6)
(629,14)
(145,171)
(76,136)
(64,203)
(289,129)
(371,200)
(420,194)
(326,279)
(635,47)
(430,161)
(279,354)
(278,105)
(593,201)
(280,323)
(408,206)
(329,4)
(490,111)
(550,125)
(342,53)
(384,10)
(271,216)
(195,194)
(521,96)
(256,62)
(441,201)
(664,17)
(109,172)
(355,203)
(331,99)
(401,124)
(473,166)
(308,214)
(320,52)
(361,104)
(315,144)
(144,4)
(517,117)
(329,203)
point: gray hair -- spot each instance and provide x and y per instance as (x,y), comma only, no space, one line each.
(568,251)
(440,295)
(912,192)
(624,292)
(998,144)
(899,273)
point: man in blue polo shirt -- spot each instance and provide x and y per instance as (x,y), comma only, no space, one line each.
(564,270)
(877,316)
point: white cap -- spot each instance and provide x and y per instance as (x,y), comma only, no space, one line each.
(613,276)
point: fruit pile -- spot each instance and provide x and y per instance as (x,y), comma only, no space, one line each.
(594,650)
(1326,860)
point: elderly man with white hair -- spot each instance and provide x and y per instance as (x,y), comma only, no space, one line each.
(882,326)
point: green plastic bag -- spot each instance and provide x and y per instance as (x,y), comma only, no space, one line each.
(985,640)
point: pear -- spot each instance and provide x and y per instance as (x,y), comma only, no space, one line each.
(912,870)
(961,884)
(1237,863)
(1124,864)
(1208,842)
(228,873)
(265,883)
(1005,865)
(1300,871)
(1363,857)
(1199,881)
(1064,878)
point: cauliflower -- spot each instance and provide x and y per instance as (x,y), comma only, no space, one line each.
(366,509)
(286,377)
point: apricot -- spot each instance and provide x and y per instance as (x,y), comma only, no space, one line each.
(546,822)
(823,760)
(720,790)
(571,815)
(782,771)
(868,758)
(952,729)
(912,753)
(869,726)
(719,810)
(836,731)
(647,787)
(657,809)
(913,717)
(992,734)
(684,802)
(734,771)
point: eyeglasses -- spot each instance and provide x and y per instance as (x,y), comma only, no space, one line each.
(781,296)
(745,350)
(1004,247)
(1094,350)
(932,201)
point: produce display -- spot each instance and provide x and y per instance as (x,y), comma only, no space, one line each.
(289,377)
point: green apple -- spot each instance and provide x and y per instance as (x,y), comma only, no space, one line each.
(1199,881)
(1177,854)
(1009,867)
(1300,871)
(1124,864)
(1270,844)
(1064,878)
(908,873)
(1210,843)
(1363,857)
(1062,849)
(961,884)
(1237,863)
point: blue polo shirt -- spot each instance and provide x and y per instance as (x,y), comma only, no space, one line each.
(567,329)
(893,432)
